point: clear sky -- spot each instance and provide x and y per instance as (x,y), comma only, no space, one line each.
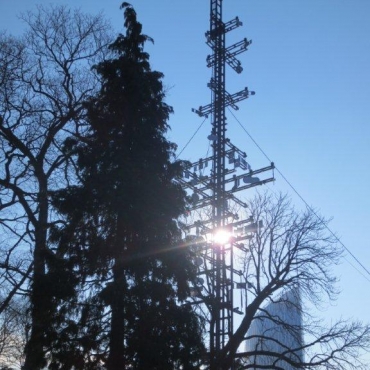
(309,64)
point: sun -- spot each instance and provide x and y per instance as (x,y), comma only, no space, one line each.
(222,236)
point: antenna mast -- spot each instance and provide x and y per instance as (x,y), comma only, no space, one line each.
(213,200)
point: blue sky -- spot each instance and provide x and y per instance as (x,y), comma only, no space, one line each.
(309,64)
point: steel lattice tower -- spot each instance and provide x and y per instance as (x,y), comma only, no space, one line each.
(213,194)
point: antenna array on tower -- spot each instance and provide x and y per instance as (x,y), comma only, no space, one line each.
(215,226)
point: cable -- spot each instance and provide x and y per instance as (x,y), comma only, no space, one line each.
(291,186)
(304,201)
(178,155)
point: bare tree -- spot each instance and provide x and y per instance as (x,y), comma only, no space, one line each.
(45,78)
(288,270)
(13,331)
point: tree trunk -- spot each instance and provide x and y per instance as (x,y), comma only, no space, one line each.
(40,300)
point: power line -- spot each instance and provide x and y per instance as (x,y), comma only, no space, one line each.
(303,200)
(189,141)
(292,187)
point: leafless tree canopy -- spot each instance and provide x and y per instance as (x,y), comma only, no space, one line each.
(13,327)
(45,76)
(288,270)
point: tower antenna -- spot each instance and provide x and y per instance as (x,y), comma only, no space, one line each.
(214,226)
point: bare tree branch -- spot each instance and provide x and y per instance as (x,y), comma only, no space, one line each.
(289,267)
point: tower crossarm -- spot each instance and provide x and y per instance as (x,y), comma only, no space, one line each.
(217,27)
(232,197)
(231,25)
(230,54)
(185,185)
(261,182)
(237,48)
(230,100)
(234,149)
(250,174)
(211,193)
(200,163)
(208,200)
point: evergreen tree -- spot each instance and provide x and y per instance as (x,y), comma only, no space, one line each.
(121,221)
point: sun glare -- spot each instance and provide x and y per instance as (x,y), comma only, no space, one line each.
(222,236)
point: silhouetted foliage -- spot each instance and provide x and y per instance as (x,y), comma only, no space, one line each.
(45,77)
(121,227)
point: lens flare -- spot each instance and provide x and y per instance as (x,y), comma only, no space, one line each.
(222,236)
